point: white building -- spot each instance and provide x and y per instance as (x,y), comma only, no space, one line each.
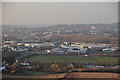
(58,51)
(77,50)
(40,44)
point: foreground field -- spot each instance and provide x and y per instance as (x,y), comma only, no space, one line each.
(74,58)
(69,75)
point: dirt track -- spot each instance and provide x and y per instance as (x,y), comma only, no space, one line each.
(81,75)
(69,75)
(92,75)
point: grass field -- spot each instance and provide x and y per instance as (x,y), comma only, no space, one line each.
(35,72)
(74,58)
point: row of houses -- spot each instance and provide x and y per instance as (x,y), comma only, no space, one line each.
(93,46)
(39,44)
(70,50)
(65,48)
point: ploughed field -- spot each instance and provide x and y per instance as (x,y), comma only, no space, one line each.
(75,58)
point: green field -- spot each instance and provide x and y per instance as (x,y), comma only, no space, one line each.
(74,58)
(28,72)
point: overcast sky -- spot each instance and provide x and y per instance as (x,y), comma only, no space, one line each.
(20,13)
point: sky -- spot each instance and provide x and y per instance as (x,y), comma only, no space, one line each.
(0,13)
(23,13)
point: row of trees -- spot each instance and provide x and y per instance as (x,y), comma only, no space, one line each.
(16,68)
(50,67)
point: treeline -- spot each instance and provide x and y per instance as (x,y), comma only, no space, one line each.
(50,67)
